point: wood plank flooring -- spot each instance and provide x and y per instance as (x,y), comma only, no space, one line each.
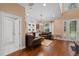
(56,48)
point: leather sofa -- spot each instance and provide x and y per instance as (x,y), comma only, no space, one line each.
(32,41)
(47,35)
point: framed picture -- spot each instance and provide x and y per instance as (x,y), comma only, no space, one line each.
(29,24)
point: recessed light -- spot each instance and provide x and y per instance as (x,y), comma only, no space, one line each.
(44,4)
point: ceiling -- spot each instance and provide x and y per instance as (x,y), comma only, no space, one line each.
(38,12)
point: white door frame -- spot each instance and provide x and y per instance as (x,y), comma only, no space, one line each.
(20,24)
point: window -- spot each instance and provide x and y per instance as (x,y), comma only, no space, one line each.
(72,5)
(46,27)
(69,6)
(73,29)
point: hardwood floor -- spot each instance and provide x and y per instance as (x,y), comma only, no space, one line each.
(56,48)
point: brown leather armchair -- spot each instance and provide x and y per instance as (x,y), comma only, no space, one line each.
(31,41)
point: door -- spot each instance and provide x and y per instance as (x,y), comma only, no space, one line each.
(10,36)
(70,29)
(73,29)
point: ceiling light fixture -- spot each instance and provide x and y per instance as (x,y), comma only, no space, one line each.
(44,4)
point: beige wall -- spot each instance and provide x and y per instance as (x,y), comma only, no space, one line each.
(58,27)
(15,9)
(58,23)
(74,13)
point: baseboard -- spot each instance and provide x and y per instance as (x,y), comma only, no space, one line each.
(22,47)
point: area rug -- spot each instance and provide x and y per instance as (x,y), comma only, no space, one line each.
(46,42)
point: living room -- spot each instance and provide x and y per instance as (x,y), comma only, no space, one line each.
(43,28)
